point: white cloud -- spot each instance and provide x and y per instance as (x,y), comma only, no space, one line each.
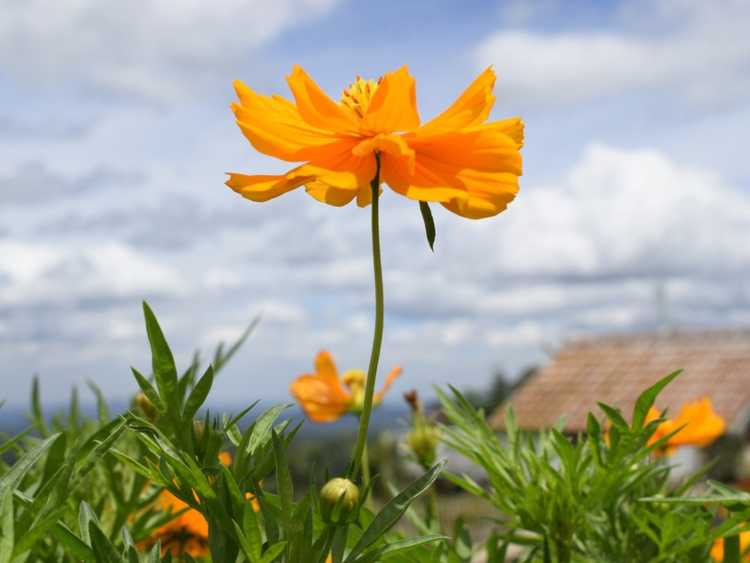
(44,272)
(142,47)
(698,51)
(620,211)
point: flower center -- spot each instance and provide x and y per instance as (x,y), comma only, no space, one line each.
(358,95)
(354,379)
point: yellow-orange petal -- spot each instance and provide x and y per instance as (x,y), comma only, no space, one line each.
(316,107)
(326,193)
(473,172)
(262,187)
(321,395)
(394,145)
(274,127)
(395,372)
(701,425)
(471,108)
(394,105)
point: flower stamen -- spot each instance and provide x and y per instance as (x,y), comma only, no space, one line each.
(358,95)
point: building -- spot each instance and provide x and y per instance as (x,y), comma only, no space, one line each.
(616,369)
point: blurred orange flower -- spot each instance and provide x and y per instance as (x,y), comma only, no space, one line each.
(324,398)
(456,159)
(185,534)
(700,424)
(717,551)
(188,532)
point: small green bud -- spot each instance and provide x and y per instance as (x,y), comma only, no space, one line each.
(144,404)
(423,441)
(338,498)
(199,428)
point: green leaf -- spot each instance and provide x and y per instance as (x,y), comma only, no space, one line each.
(55,458)
(75,546)
(429,223)
(393,510)
(283,481)
(148,390)
(103,549)
(273,552)
(86,516)
(221,358)
(198,395)
(101,403)
(732,549)
(614,416)
(16,473)
(262,427)
(37,416)
(646,400)
(162,361)
(7,527)
(398,547)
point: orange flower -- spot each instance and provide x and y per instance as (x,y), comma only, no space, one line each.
(185,534)
(456,159)
(322,395)
(700,425)
(717,551)
(188,532)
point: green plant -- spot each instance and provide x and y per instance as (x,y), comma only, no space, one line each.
(600,496)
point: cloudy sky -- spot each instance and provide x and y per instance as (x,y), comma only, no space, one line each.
(115,133)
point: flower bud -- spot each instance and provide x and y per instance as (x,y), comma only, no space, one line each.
(338,498)
(199,429)
(423,441)
(145,405)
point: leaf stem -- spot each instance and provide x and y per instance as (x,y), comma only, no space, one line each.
(377,339)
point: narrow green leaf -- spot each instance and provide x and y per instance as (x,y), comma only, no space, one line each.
(101,403)
(221,358)
(55,458)
(149,390)
(198,395)
(104,550)
(398,547)
(732,549)
(16,473)
(393,510)
(283,481)
(36,409)
(261,432)
(614,416)
(7,526)
(273,552)
(646,400)
(162,361)
(429,223)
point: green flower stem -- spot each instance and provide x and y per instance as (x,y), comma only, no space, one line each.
(377,340)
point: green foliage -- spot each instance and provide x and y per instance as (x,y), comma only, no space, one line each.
(82,489)
(600,496)
(87,490)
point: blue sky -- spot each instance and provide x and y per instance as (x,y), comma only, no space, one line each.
(115,133)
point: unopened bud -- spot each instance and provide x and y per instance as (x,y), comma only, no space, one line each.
(145,405)
(423,441)
(338,498)
(199,428)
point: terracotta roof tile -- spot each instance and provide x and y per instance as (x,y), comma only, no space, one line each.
(616,369)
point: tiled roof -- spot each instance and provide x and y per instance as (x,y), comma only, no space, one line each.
(616,369)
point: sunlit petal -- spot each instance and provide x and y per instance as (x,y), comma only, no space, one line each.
(316,107)
(394,105)
(471,108)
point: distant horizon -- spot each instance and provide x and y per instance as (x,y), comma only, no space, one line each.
(634,204)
